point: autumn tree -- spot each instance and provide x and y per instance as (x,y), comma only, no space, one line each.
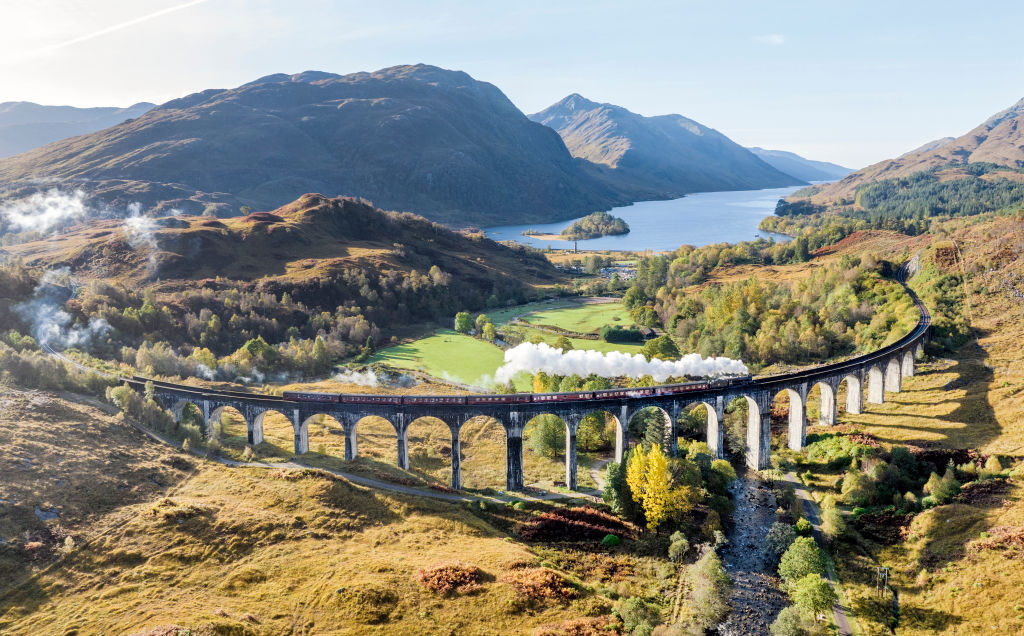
(650,482)
(463,323)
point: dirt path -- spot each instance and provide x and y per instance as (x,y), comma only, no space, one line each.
(811,513)
(756,599)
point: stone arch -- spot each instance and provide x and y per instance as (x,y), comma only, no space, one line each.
(483,441)
(667,426)
(229,425)
(178,410)
(374,437)
(893,379)
(907,368)
(828,409)
(714,426)
(854,393)
(758,435)
(562,463)
(275,431)
(325,434)
(429,447)
(876,384)
(797,419)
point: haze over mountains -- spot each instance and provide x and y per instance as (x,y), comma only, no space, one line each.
(799,167)
(999,140)
(25,125)
(659,157)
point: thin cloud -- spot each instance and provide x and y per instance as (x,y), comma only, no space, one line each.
(115,27)
(772,39)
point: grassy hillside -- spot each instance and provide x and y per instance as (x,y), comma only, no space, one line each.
(164,543)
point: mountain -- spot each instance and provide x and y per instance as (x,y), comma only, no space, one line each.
(799,167)
(412,138)
(998,140)
(656,157)
(303,243)
(25,125)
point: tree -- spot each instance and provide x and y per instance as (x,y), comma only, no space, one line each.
(546,435)
(678,546)
(650,482)
(463,323)
(489,332)
(617,493)
(813,595)
(563,343)
(481,320)
(662,348)
(803,557)
(780,536)
(320,352)
(634,297)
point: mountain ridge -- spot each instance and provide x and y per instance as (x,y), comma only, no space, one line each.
(664,156)
(999,140)
(800,167)
(412,138)
(28,125)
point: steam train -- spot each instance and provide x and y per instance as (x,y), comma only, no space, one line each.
(516,398)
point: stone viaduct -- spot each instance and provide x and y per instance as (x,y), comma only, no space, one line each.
(879,372)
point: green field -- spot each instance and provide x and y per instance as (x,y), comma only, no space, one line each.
(583,318)
(453,356)
(447,355)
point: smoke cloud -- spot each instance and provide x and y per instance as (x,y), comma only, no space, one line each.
(50,324)
(44,211)
(533,358)
(141,233)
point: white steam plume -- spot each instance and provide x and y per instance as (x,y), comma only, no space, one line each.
(51,325)
(366,378)
(140,232)
(44,211)
(533,358)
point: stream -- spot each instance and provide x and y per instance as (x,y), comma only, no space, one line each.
(756,599)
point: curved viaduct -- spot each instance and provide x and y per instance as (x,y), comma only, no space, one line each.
(880,371)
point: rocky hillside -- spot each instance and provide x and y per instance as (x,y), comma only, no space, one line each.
(800,167)
(999,140)
(25,125)
(409,138)
(656,157)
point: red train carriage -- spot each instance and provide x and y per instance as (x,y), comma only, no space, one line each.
(562,397)
(331,398)
(371,399)
(513,398)
(434,399)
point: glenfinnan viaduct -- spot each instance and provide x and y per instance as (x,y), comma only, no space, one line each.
(881,371)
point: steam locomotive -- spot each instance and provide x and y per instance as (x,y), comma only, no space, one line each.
(516,398)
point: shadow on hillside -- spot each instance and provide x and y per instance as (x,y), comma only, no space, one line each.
(972,410)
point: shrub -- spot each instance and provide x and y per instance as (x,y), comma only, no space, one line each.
(993,465)
(709,588)
(802,558)
(610,541)
(928,502)
(572,524)
(538,584)
(910,502)
(780,536)
(833,526)
(635,612)
(448,578)
(787,623)
(804,527)
(858,488)
(678,546)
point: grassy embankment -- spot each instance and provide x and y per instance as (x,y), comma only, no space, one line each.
(161,540)
(973,399)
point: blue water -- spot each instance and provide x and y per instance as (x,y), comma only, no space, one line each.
(696,219)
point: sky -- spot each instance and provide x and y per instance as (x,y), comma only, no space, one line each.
(852,82)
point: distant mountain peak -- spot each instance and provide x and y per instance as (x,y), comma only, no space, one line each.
(660,157)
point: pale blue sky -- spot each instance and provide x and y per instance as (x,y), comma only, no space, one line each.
(852,82)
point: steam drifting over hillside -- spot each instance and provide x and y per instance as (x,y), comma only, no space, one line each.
(533,358)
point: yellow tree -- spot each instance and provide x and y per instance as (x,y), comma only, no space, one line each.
(651,483)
